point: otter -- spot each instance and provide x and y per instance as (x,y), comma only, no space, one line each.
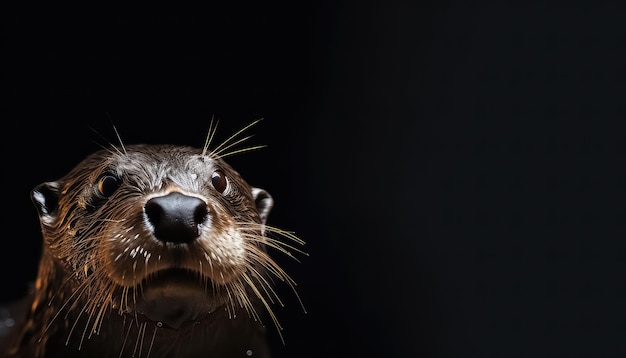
(153,250)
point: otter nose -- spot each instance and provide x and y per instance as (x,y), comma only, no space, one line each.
(175,217)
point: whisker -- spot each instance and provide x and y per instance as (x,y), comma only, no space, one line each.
(244,300)
(219,151)
(140,336)
(248,149)
(266,286)
(110,146)
(70,299)
(276,244)
(271,266)
(267,306)
(152,341)
(209,138)
(130,326)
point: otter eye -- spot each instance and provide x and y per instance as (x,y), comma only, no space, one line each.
(218,179)
(107,185)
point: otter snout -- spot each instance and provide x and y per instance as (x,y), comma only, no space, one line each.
(176,217)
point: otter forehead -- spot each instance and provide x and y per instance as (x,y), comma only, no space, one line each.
(183,167)
(163,159)
(153,166)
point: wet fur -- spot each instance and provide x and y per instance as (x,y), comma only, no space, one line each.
(90,282)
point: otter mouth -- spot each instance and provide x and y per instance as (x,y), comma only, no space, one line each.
(174,297)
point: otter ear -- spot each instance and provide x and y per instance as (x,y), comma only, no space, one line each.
(263,201)
(46,198)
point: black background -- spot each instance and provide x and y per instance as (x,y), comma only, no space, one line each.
(456,169)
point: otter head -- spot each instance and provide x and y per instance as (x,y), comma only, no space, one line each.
(157,232)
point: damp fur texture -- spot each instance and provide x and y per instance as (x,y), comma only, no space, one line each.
(155,251)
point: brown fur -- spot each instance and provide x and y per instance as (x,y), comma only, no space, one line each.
(107,286)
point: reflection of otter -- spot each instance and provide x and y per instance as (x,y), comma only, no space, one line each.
(152,250)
